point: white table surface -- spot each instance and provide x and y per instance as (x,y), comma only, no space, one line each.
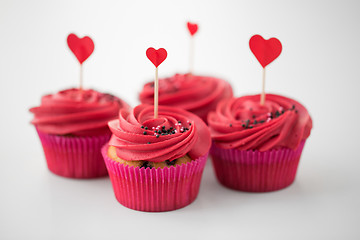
(319,66)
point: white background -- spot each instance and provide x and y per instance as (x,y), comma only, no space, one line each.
(319,66)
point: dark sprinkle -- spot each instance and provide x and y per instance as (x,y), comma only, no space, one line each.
(250,126)
(278,114)
(230,125)
(179,121)
(170,163)
(173,132)
(142,126)
(157,136)
(189,124)
(163,127)
(255,122)
(146,128)
(296,111)
(243,125)
(146,164)
(254,116)
(144,132)
(171,128)
(148,142)
(109,97)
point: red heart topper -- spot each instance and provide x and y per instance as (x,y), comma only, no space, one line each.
(81,47)
(265,51)
(156,56)
(193,28)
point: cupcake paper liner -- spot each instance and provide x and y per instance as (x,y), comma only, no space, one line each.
(255,171)
(155,190)
(74,157)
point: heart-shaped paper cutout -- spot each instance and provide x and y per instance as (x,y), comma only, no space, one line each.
(81,47)
(156,56)
(265,51)
(193,27)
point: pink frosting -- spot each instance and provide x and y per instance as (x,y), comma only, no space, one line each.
(195,94)
(136,134)
(242,123)
(77,113)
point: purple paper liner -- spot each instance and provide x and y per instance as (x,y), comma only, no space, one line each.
(74,157)
(155,190)
(254,171)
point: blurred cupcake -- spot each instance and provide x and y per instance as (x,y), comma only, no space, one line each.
(196,94)
(72,126)
(257,148)
(156,164)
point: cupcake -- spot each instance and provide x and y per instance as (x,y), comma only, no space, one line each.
(196,94)
(72,126)
(156,165)
(257,148)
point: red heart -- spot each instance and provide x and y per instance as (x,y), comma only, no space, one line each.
(193,27)
(81,47)
(156,56)
(265,51)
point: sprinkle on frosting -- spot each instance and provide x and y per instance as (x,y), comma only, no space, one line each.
(281,122)
(174,135)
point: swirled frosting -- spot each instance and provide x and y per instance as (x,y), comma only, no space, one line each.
(242,123)
(196,94)
(75,112)
(138,136)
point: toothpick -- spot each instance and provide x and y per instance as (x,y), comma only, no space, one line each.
(191,55)
(193,28)
(262,99)
(156,94)
(81,78)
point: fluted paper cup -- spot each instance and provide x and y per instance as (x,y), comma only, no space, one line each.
(74,157)
(155,190)
(255,171)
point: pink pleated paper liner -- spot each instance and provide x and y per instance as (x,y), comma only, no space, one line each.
(155,190)
(74,157)
(255,171)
